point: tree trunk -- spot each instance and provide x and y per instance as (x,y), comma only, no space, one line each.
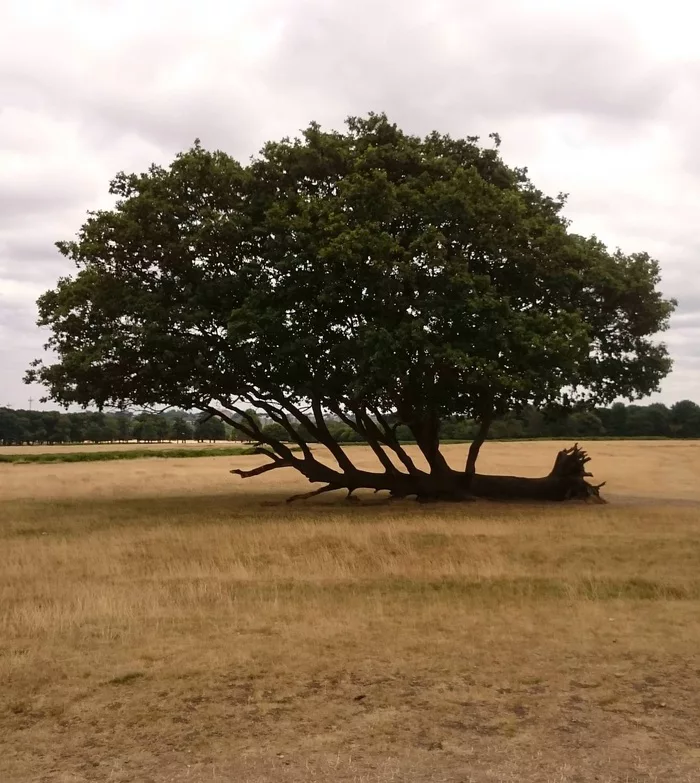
(477,443)
(566,480)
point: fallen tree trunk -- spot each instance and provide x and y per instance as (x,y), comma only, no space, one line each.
(566,481)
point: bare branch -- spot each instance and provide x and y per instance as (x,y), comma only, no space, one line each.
(306,495)
(325,437)
(388,437)
(261,469)
(228,419)
(266,453)
(281,418)
(252,431)
(316,428)
(477,443)
(373,436)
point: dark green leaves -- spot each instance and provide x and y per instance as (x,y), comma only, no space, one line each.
(370,269)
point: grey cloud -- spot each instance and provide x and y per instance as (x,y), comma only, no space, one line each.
(498,65)
(23,198)
(688,311)
(686,102)
(692,363)
(172,123)
(23,248)
(688,321)
(680,281)
(17,324)
(125,92)
(13,391)
(683,339)
(41,269)
(452,68)
(28,254)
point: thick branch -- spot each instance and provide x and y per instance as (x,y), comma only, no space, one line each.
(280,418)
(477,443)
(426,432)
(324,436)
(371,432)
(321,434)
(390,439)
(361,430)
(318,429)
(566,481)
(266,453)
(252,431)
(247,431)
(261,469)
(309,466)
(346,419)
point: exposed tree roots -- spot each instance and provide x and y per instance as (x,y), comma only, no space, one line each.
(566,481)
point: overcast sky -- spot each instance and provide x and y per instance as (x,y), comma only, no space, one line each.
(598,99)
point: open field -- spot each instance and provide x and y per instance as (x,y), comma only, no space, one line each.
(165,621)
(48,448)
(101,455)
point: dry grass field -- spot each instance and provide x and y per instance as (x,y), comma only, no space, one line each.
(165,621)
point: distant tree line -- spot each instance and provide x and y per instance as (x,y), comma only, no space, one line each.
(681,420)
(18,427)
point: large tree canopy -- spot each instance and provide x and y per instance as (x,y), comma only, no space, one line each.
(373,275)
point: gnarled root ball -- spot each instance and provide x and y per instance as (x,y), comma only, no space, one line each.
(566,481)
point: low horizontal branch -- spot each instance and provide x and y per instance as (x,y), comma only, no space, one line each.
(307,495)
(261,469)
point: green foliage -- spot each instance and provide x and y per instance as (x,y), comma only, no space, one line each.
(620,421)
(210,428)
(20,427)
(151,427)
(181,429)
(685,419)
(368,274)
(125,454)
(276,431)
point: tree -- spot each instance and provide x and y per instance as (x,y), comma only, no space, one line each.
(62,431)
(639,421)
(146,426)
(615,419)
(13,429)
(181,429)
(275,431)
(78,425)
(534,422)
(124,424)
(660,418)
(161,427)
(585,423)
(685,419)
(210,428)
(94,432)
(379,277)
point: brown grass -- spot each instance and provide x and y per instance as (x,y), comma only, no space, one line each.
(168,622)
